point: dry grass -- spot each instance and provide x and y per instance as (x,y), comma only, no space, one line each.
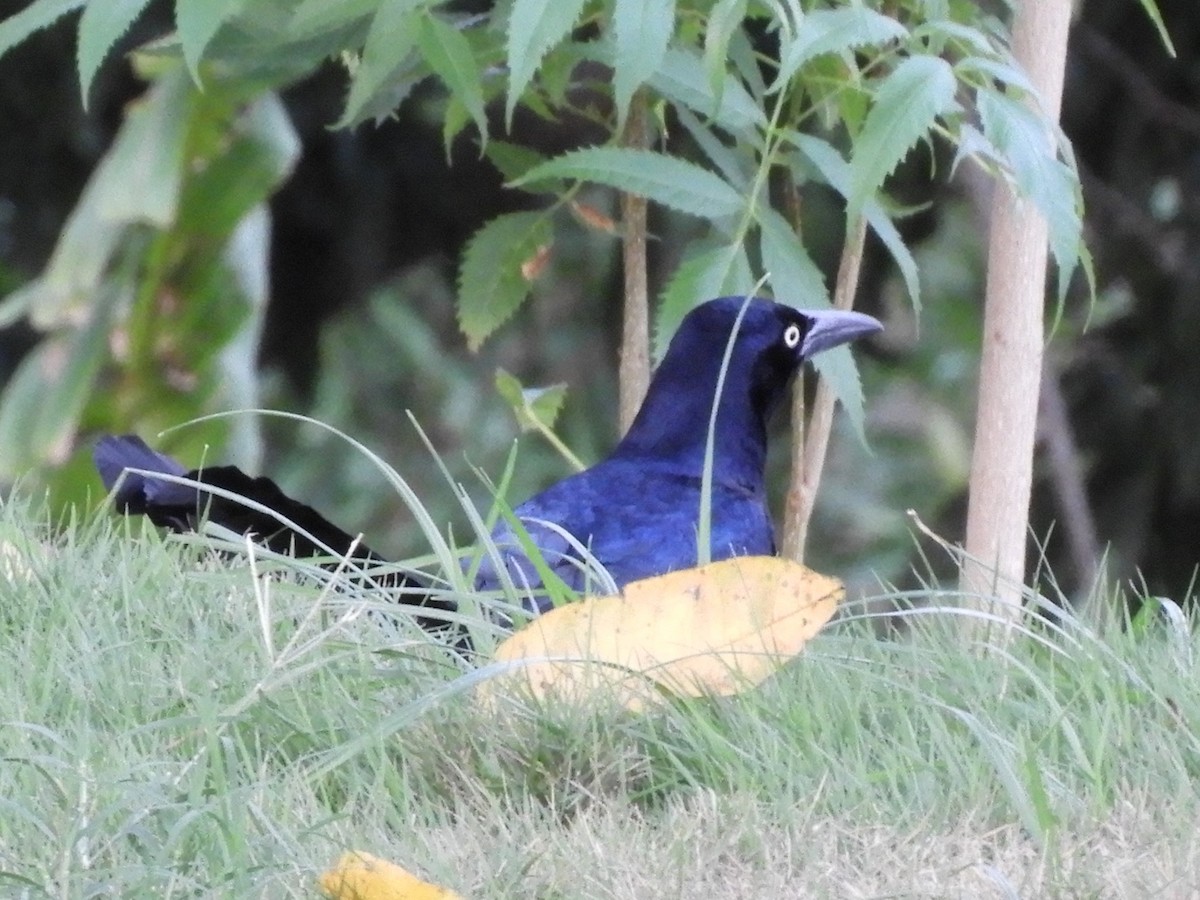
(731,846)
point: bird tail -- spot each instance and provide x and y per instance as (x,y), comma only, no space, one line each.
(133,473)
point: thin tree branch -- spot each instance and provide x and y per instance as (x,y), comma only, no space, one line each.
(634,372)
(802,492)
(792,546)
(1067,479)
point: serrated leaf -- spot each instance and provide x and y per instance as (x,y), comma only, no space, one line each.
(642,30)
(747,63)
(835,31)
(1026,143)
(1006,72)
(317,16)
(907,104)
(490,284)
(735,167)
(795,278)
(196,21)
(835,171)
(724,19)
(937,31)
(534,28)
(837,367)
(32,19)
(391,38)
(515,160)
(681,77)
(449,54)
(102,24)
(668,180)
(797,281)
(703,275)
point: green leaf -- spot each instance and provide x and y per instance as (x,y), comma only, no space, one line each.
(736,168)
(148,152)
(681,78)
(43,400)
(747,63)
(515,160)
(838,368)
(534,28)
(665,179)
(246,259)
(907,105)
(76,268)
(381,73)
(795,278)
(723,21)
(1004,71)
(1026,143)
(535,409)
(33,18)
(449,54)
(490,284)
(260,153)
(835,171)
(196,22)
(319,16)
(937,31)
(1151,10)
(704,274)
(834,31)
(797,281)
(642,30)
(102,24)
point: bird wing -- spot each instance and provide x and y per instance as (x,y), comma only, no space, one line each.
(635,520)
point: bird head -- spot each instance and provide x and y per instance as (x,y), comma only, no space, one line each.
(772,342)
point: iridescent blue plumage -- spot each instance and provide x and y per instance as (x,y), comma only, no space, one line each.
(638,510)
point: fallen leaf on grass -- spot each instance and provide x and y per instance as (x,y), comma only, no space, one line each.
(361,876)
(716,629)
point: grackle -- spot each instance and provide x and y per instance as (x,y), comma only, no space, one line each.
(637,511)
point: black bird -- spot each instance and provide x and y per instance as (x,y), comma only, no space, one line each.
(636,512)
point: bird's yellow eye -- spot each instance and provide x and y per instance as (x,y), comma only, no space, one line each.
(791,337)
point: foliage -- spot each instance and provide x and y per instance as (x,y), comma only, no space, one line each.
(752,101)
(151,301)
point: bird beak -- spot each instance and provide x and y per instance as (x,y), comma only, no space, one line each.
(833,327)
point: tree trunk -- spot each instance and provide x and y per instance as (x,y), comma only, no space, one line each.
(1010,373)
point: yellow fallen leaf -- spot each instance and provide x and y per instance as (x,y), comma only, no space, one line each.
(715,629)
(361,876)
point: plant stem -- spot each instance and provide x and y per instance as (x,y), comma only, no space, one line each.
(802,491)
(634,373)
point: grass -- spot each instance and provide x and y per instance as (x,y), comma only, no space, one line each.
(176,726)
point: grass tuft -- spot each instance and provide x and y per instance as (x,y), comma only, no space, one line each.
(176,724)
